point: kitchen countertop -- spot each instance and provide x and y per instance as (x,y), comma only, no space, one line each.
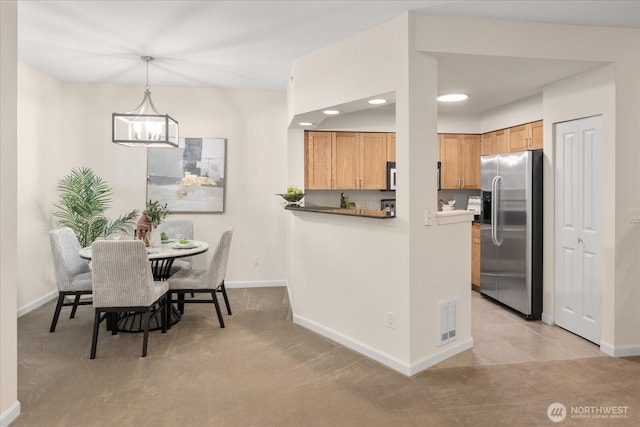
(364,213)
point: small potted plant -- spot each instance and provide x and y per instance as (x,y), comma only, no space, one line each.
(155,212)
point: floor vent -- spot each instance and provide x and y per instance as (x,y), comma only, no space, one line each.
(447,321)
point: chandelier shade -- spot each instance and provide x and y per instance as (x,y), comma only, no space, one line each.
(144,127)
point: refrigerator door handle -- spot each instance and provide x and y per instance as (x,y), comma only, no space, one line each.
(495,203)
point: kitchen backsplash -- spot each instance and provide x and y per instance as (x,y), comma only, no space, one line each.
(460,196)
(363,199)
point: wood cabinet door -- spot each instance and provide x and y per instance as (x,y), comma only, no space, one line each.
(449,162)
(475,255)
(391,147)
(501,142)
(488,142)
(345,161)
(470,167)
(518,138)
(372,165)
(318,159)
(536,136)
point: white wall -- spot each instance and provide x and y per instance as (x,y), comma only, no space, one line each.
(73,130)
(422,277)
(9,404)
(621,174)
(363,269)
(515,113)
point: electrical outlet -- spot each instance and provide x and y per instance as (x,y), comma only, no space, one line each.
(391,320)
(256,261)
(635,216)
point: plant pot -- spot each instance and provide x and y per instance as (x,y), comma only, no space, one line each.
(155,238)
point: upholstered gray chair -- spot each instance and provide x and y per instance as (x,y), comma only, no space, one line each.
(73,275)
(184,228)
(209,281)
(123,283)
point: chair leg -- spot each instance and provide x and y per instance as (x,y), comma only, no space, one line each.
(215,302)
(164,314)
(94,339)
(181,302)
(145,339)
(56,313)
(226,299)
(76,300)
(168,310)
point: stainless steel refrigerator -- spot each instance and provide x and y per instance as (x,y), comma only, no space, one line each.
(511,231)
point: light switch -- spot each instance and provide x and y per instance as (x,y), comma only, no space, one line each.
(635,216)
(428,217)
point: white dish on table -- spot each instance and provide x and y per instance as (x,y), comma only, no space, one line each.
(189,245)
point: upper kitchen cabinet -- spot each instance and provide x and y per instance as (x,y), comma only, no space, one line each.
(373,149)
(391,147)
(347,160)
(494,142)
(317,160)
(525,137)
(460,161)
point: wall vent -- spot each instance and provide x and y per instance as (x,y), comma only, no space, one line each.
(447,321)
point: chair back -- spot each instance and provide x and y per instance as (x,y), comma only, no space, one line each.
(122,274)
(218,264)
(174,226)
(66,262)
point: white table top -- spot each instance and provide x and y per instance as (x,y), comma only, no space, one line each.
(166,250)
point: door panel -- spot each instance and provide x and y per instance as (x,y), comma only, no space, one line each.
(578,226)
(345,161)
(514,282)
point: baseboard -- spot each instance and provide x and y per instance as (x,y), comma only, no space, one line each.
(548,319)
(255,284)
(620,350)
(37,303)
(354,345)
(10,414)
(451,350)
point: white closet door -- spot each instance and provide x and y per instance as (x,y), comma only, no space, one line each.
(578,207)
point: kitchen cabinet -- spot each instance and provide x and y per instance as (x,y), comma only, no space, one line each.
(317,160)
(525,137)
(347,160)
(488,143)
(372,165)
(391,147)
(475,256)
(460,161)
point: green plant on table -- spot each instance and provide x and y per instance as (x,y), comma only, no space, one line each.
(156,212)
(84,198)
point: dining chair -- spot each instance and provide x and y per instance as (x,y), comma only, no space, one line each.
(72,273)
(182,228)
(209,281)
(123,283)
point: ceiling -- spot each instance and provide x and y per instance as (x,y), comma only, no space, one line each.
(253,44)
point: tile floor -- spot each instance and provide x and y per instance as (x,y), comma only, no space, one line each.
(501,336)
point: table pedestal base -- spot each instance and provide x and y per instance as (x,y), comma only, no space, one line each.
(132,322)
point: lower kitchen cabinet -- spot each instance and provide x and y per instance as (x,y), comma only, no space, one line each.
(475,257)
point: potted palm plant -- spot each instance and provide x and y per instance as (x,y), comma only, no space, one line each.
(84,198)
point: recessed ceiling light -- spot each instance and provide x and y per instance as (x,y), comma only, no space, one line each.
(453,97)
(305,124)
(377,101)
(331,112)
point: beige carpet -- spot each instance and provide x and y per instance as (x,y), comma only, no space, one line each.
(262,370)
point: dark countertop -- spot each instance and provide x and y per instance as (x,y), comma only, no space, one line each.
(364,213)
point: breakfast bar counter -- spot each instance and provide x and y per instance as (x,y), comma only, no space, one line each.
(363,213)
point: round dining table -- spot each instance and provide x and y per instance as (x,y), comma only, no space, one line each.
(161,259)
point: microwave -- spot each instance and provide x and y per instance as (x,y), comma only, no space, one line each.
(391,175)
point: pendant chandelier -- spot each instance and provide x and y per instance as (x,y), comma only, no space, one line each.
(145,127)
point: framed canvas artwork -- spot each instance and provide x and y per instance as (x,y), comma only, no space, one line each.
(189,178)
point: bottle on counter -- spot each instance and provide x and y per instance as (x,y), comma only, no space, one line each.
(343,200)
